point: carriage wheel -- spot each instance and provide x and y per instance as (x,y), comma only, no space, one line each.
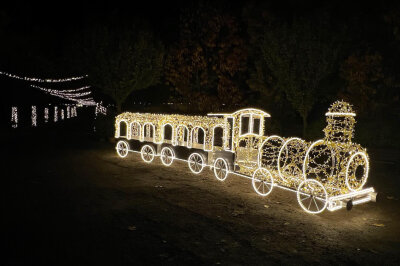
(147,153)
(167,156)
(263,182)
(221,169)
(122,148)
(312,196)
(196,163)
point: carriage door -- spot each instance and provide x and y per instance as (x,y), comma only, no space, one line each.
(247,155)
(247,150)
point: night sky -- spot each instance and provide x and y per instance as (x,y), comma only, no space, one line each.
(46,40)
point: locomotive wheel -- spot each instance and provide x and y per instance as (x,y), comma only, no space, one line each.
(195,163)
(122,148)
(354,180)
(312,196)
(263,182)
(221,169)
(167,156)
(147,152)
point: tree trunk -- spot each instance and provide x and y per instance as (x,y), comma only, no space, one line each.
(304,116)
(119,107)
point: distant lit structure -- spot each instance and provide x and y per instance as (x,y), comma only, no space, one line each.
(34,116)
(14,117)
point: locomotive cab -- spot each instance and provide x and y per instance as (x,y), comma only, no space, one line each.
(246,130)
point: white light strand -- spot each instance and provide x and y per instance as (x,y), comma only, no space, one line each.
(65,93)
(62,114)
(55,113)
(68,112)
(75,97)
(42,80)
(34,116)
(14,117)
(46,114)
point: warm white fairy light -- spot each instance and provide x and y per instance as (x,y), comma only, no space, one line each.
(62,114)
(46,114)
(42,80)
(14,117)
(67,92)
(70,94)
(68,112)
(55,113)
(34,116)
(325,174)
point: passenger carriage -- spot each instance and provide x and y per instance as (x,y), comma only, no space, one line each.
(326,174)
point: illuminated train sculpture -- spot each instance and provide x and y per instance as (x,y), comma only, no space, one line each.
(326,174)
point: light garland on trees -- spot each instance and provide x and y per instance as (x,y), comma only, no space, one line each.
(70,94)
(62,114)
(328,173)
(68,112)
(42,80)
(14,117)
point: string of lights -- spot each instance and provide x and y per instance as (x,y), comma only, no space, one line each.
(48,80)
(75,97)
(65,93)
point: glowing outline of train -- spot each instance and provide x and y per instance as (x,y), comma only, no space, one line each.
(326,174)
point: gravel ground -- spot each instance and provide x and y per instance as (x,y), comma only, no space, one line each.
(80,204)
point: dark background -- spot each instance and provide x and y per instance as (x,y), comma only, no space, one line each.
(68,199)
(43,40)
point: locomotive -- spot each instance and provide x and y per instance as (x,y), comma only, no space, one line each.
(329,173)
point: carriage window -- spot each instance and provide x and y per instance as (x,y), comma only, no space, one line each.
(168,132)
(200,136)
(256,125)
(135,130)
(218,136)
(245,120)
(185,134)
(148,131)
(122,129)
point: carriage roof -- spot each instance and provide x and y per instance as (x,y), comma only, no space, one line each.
(242,111)
(173,119)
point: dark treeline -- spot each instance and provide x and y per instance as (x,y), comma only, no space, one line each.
(290,59)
